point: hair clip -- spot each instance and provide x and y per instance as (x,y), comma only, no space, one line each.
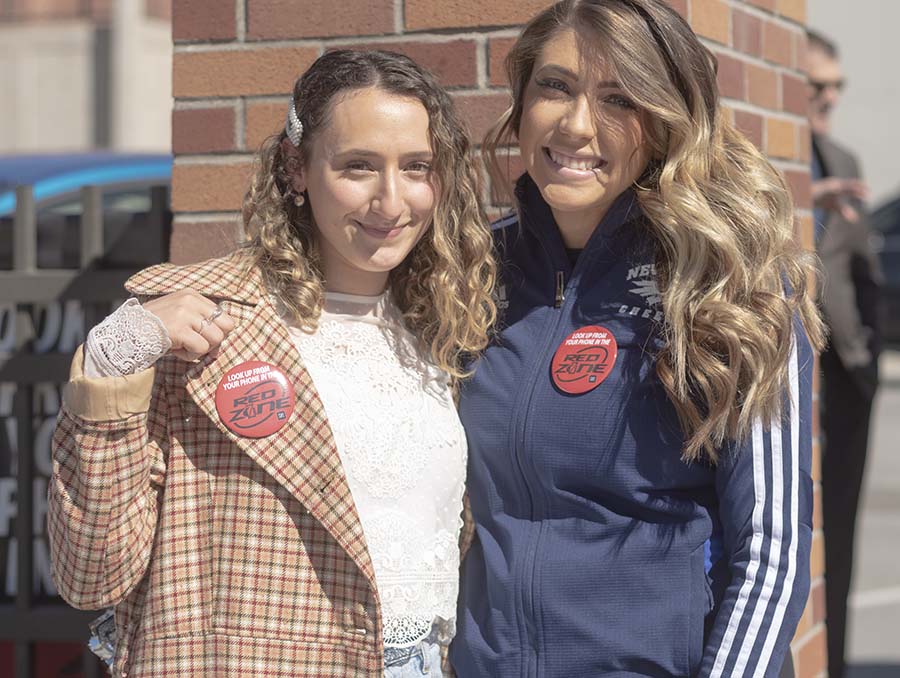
(293,127)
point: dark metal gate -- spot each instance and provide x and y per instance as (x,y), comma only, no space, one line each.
(44,315)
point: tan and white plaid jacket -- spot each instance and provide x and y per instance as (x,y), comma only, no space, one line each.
(224,556)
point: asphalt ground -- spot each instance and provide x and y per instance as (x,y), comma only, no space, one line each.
(874,617)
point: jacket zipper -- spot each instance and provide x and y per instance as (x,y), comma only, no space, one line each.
(523,415)
(530,566)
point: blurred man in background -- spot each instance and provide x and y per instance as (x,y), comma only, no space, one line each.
(850,363)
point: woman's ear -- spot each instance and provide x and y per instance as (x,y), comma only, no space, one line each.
(294,165)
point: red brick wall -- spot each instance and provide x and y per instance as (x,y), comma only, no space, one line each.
(234,67)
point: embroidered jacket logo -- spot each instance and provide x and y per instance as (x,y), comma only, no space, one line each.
(502,301)
(643,285)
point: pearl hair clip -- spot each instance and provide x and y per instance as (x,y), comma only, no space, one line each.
(293,127)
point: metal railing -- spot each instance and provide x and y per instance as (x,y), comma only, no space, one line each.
(24,291)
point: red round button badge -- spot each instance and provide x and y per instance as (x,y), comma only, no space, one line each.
(254,399)
(584,360)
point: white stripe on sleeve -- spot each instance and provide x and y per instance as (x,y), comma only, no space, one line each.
(774,551)
(787,587)
(759,490)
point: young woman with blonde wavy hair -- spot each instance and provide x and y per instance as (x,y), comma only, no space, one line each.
(639,428)
(259,463)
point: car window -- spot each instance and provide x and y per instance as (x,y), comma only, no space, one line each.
(136,227)
(58,231)
(135,230)
(887,217)
(6,243)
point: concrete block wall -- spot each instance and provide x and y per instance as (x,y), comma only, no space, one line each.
(235,62)
(44,11)
(109,61)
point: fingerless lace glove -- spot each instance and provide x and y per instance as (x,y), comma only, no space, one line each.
(129,339)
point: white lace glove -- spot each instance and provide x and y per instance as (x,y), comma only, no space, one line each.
(129,339)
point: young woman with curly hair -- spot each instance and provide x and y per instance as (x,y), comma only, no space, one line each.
(259,462)
(639,429)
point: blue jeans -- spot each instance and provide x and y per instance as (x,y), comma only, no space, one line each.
(415,661)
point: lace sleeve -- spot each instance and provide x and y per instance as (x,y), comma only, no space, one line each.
(129,340)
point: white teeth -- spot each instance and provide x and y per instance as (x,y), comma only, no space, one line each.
(573,163)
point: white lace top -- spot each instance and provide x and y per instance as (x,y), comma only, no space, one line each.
(403,450)
(398,436)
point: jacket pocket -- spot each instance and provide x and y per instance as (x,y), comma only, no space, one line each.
(701,604)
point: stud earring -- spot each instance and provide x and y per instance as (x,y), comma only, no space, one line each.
(299,200)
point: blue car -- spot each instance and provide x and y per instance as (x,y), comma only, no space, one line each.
(135,205)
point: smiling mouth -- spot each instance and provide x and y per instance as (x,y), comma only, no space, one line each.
(571,162)
(379,232)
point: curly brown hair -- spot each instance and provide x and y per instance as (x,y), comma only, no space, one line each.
(444,286)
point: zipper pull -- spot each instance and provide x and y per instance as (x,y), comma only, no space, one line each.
(560,288)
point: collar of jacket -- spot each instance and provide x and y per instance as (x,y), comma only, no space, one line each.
(537,216)
(302,455)
(224,279)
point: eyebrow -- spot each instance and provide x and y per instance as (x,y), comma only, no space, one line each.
(365,153)
(562,70)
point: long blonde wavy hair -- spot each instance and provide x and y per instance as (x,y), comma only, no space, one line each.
(444,286)
(731,274)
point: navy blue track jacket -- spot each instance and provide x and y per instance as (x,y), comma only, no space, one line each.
(597,550)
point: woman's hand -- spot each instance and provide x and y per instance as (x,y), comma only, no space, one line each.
(195,324)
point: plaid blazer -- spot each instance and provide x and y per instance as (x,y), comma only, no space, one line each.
(222,555)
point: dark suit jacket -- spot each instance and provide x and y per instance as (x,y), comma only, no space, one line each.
(852,276)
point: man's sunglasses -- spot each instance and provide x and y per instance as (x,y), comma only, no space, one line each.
(820,86)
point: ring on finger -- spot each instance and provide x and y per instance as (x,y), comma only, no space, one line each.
(210,318)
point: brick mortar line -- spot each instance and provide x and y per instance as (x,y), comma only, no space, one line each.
(427,38)
(477,91)
(199,47)
(198,101)
(234,46)
(808,637)
(182,104)
(178,43)
(779,91)
(223,159)
(239,44)
(205,217)
(772,17)
(783,165)
(240,20)
(322,43)
(748,107)
(728,50)
(484,180)
(399,16)
(240,125)
(505,33)
(482,63)
(266,98)
(487,28)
